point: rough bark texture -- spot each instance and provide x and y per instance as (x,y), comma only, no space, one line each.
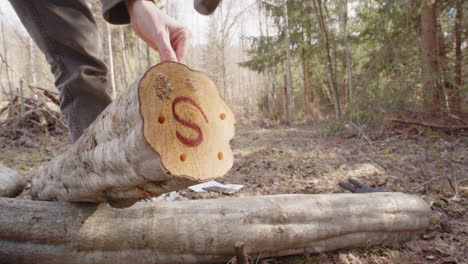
(204,231)
(132,149)
(11,183)
(429,57)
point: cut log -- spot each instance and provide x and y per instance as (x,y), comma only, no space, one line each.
(168,130)
(204,231)
(11,183)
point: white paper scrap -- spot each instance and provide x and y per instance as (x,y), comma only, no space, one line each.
(199,187)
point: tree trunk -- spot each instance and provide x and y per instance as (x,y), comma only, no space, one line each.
(307,89)
(111,60)
(289,86)
(168,130)
(429,58)
(349,64)
(205,231)
(32,62)
(455,95)
(149,63)
(326,47)
(124,56)
(140,56)
(5,61)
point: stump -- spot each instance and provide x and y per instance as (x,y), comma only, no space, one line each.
(168,130)
(204,231)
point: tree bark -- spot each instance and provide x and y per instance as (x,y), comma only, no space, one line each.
(124,56)
(344,16)
(5,61)
(32,63)
(455,95)
(168,130)
(111,60)
(326,47)
(289,86)
(429,57)
(149,63)
(307,89)
(205,231)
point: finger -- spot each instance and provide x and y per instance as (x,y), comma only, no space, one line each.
(357,183)
(347,186)
(164,48)
(181,46)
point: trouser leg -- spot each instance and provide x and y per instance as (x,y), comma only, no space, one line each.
(66,32)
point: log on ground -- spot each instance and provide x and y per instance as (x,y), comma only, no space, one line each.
(11,183)
(168,130)
(204,231)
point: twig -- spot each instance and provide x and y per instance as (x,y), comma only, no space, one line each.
(437,126)
(51,97)
(361,131)
(241,255)
(442,109)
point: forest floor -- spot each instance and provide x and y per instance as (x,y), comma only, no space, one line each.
(305,159)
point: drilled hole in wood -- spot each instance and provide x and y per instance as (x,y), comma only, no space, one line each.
(183,157)
(161,119)
(222,116)
(220,155)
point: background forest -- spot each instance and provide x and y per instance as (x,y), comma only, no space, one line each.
(292,61)
(322,90)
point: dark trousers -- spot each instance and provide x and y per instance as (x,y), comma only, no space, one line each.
(66,32)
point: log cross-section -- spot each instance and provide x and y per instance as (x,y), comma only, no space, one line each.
(168,130)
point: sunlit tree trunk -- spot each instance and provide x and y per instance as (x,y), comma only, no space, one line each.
(124,56)
(429,58)
(111,60)
(289,88)
(32,63)
(139,58)
(344,17)
(148,57)
(7,70)
(307,91)
(331,81)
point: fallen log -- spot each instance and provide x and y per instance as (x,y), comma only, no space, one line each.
(11,183)
(204,231)
(168,130)
(430,125)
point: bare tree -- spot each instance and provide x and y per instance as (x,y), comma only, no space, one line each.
(349,64)
(5,62)
(289,87)
(331,80)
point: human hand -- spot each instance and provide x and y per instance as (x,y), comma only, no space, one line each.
(161,32)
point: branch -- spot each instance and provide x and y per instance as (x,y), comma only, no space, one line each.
(431,125)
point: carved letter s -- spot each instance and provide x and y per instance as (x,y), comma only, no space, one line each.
(187,141)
